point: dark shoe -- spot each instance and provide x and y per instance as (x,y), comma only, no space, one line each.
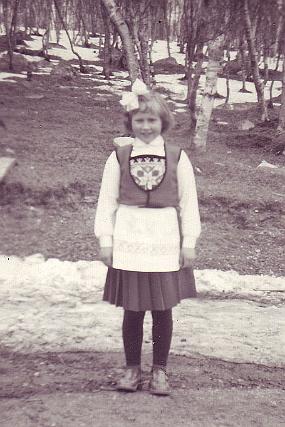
(131,381)
(159,383)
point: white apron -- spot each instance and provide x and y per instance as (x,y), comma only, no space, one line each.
(146,239)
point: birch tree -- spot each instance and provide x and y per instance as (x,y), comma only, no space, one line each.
(215,53)
(122,28)
(107,43)
(249,34)
(60,17)
(281,119)
(10,12)
(192,17)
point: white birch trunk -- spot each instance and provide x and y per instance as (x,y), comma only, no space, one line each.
(281,120)
(126,38)
(216,53)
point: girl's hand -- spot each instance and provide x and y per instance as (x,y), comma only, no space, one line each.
(187,256)
(106,256)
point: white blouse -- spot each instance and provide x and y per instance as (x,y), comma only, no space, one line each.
(151,234)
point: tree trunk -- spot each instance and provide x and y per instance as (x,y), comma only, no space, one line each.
(193,83)
(244,66)
(265,62)
(107,44)
(11,28)
(228,79)
(93,17)
(281,119)
(270,103)
(81,66)
(122,28)
(101,44)
(254,62)
(279,28)
(216,53)
(167,29)
(144,45)
(58,22)
(46,35)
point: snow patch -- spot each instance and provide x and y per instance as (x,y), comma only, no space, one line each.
(10,77)
(172,83)
(57,305)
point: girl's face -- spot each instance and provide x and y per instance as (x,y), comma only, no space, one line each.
(146,126)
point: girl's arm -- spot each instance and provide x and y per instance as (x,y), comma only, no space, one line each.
(107,202)
(188,202)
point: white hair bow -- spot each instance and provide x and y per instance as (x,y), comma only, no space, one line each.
(130,99)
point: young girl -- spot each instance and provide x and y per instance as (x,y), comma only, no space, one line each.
(147,223)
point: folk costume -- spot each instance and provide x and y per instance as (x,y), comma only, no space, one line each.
(147,209)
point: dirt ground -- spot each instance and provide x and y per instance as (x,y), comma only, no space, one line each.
(77,389)
(61,134)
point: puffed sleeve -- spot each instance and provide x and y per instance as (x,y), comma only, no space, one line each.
(107,202)
(188,202)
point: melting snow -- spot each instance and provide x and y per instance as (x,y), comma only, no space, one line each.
(176,88)
(53,304)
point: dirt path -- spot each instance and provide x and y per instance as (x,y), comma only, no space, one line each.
(77,389)
(197,408)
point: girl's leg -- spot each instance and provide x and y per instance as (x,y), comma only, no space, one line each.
(133,336)
(161,336)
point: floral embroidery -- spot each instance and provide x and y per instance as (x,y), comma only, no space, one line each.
(139,248)
(147,171)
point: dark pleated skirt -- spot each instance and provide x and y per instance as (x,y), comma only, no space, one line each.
(141,291)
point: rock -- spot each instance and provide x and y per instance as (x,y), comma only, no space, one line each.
(63,70)
(6,163)
(168,65)
(265,164)
(34,96)
(166,61)
(198,170)
(10,150)
(234,67)
(245,125)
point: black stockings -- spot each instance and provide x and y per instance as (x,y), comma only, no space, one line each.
(133,336)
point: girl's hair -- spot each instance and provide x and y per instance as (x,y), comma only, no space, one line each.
(152,102)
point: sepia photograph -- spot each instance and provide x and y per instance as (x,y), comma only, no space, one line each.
(142,213)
